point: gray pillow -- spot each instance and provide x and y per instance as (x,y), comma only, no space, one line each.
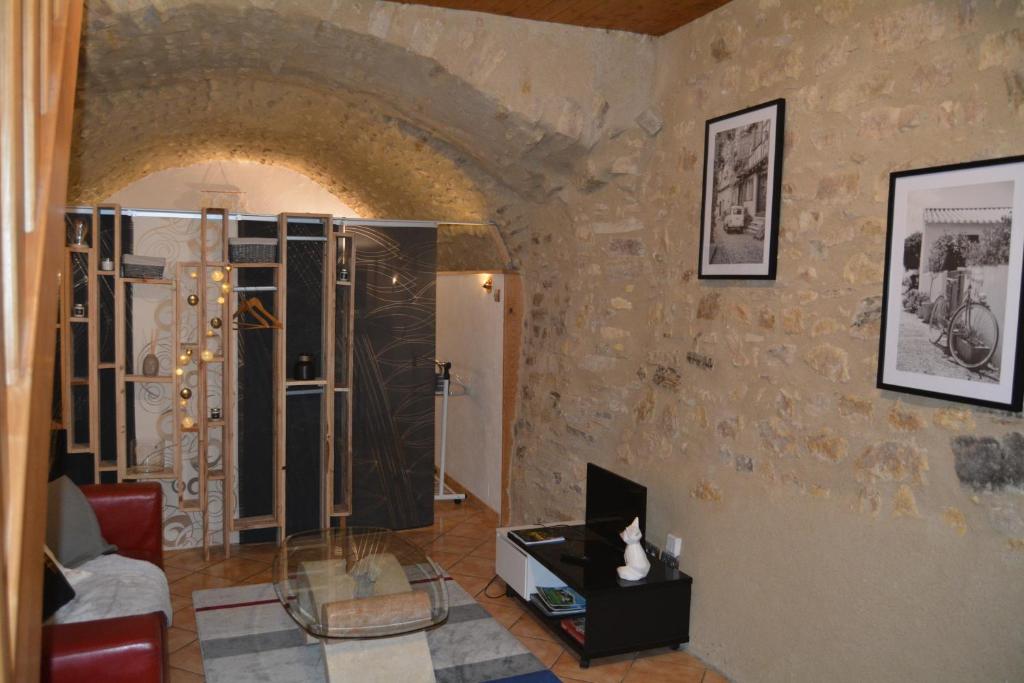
(72,531)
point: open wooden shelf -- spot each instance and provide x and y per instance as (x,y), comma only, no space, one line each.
(105,272)
(78,320)
(75,249)
(305,383)
(146,281)
(260,522)
(144,379)
(254,265)
(147,473)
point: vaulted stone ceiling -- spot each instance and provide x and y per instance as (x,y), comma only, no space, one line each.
(387,130)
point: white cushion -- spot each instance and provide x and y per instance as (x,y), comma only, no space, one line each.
(115,586)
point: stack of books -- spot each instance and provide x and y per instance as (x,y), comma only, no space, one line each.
(558,601)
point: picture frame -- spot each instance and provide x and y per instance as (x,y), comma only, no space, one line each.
(740,196)
(951,326)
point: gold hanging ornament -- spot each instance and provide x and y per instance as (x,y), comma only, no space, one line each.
(207,355)
(193,299)
(215,323)
(217,275)
(186,393)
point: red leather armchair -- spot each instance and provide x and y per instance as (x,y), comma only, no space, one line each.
(129,649)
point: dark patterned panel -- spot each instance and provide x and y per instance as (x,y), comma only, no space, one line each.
(393,422)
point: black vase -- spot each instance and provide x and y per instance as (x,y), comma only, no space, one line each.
(304,369)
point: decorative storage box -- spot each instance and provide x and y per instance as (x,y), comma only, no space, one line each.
(148,267)
(252,249)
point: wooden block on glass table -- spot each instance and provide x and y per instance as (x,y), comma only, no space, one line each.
(407,609)
(325,581)
(403,658)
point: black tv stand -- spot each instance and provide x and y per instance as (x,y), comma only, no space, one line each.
(622,616)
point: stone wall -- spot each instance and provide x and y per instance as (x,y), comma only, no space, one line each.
(834,532)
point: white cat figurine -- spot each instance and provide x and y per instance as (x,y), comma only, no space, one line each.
(637,564)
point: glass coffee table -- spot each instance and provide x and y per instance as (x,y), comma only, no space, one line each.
(343,586)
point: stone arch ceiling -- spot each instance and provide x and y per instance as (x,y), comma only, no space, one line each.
(391,132)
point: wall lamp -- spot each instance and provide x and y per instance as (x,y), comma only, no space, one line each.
(489,285)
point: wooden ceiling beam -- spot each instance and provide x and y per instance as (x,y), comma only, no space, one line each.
(652,17)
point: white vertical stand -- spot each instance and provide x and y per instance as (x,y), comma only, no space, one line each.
(445,492)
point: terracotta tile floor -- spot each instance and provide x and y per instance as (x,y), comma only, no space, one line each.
(461,540)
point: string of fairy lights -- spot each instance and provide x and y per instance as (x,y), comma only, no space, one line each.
(215,323)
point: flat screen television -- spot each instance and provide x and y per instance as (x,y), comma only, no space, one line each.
(612,502)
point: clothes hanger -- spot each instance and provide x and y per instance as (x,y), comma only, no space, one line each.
(265,320)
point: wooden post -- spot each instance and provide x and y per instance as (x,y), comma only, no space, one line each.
(93,327)
(512,339)
(201,386)
(327,353)
(280,457)
(227,407)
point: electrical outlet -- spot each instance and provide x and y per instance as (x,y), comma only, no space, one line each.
(674,546)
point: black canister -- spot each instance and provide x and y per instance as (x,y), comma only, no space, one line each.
(304,367)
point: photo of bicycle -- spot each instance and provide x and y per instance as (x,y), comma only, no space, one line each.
(954,282)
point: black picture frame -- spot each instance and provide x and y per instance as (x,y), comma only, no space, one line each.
(961,225)
(743,154)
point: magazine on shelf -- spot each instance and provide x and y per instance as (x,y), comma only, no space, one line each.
(548,612)
(561,597)
(575,627)
(537,536)
(559,601)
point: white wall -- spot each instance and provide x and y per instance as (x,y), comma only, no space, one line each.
(233,185)
(470,335)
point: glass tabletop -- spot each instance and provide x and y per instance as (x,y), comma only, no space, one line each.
(358,583)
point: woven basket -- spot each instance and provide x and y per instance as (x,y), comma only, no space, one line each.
(146,267)
(252,250)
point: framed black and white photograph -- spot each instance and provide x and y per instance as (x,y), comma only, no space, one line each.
(952,300)
(739,216)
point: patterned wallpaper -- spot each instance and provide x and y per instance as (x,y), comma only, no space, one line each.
(177,240)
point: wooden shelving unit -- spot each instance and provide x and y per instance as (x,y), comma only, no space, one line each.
(127,375)
(272,281)
(79,288)
(339,499)
(216,298)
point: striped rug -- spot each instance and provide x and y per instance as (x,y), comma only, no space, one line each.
(246,635)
